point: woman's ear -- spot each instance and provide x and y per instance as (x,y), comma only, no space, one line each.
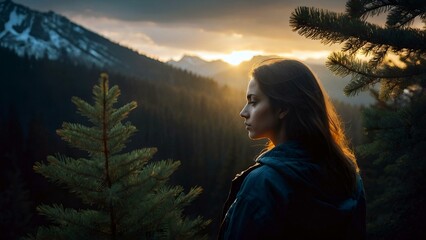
(282,113)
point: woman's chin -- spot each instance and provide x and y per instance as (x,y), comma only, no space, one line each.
(252,136)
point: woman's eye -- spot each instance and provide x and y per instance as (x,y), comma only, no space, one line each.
(252,102)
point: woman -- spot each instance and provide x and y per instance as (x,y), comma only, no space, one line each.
(306,185)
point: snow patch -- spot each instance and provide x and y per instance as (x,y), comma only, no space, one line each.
(192,60)
(94,53)
(14,19)
(55,38)
(60,40)
(82,44)
(78,29)
(75,51)
(26,33)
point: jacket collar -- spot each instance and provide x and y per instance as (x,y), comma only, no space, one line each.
(289,149)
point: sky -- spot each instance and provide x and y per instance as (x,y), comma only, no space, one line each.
(231,30)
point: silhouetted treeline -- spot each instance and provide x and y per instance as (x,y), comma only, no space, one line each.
(187,117)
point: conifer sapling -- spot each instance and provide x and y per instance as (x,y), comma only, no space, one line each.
(126,197)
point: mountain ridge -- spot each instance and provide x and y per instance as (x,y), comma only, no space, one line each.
(198,65)
(48,34)
(37,34)
(238,76)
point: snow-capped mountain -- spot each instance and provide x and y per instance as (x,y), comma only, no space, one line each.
(50,35)
(47,34)
(200,66)
(188,60)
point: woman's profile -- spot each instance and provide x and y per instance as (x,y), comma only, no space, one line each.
(306,184)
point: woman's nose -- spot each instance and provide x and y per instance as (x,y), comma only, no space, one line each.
(243,112)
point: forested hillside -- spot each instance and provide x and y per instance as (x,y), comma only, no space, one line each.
(192,120)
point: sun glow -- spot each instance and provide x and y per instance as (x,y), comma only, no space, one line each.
(236,57)
(304,55)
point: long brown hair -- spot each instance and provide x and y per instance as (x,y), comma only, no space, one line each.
(311,119)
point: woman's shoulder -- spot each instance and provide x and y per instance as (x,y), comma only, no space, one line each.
(263,181)
(263,173)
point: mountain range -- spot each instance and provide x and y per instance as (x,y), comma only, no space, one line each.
(238,76)
(199,65)
(47,34)
(50,35)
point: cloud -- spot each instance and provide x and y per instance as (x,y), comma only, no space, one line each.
(269,18)
(168,29)
(167,42)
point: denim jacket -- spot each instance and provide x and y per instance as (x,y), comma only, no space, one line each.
(285,196)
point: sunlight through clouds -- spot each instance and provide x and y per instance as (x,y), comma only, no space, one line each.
(165,42)
(305,55)
(228,30)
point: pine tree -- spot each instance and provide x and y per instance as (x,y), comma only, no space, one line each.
(396,125)
(126,197)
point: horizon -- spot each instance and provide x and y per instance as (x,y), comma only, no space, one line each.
(316,61)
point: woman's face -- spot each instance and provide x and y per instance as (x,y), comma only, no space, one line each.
(260,119)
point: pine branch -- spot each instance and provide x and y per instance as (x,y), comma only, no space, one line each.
(399,18)
(118,136)
(187,226)
(159,171)
(66,217)
(365,8)
(86,110)
(127,174)
(364,75)
(121,113)
(125,161)
(404,12)
(390,88)
(331,27)
(184,199)
(68,167)
(81,137)
(104,97)
(77,177)
(144,184)
(152,214)
(401,13)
